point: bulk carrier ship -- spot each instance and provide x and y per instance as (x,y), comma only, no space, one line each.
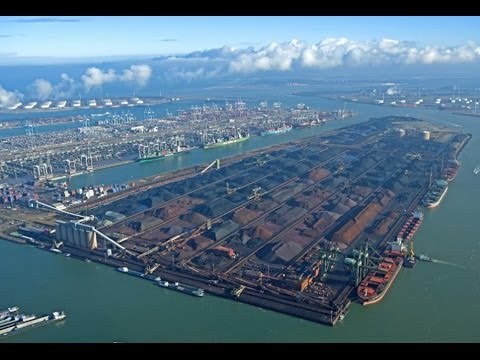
(186,289)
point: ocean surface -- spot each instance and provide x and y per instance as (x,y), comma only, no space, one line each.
(431,303)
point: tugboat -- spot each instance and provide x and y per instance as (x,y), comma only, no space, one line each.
(424,258)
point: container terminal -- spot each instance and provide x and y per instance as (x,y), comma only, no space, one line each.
(116,137)
(303,228)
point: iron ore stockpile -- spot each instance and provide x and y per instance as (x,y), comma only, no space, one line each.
(297,228)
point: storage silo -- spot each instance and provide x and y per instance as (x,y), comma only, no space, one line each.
(83,238)
(76,236)
(70,235)
(63,232)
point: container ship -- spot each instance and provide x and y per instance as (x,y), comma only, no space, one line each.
(376,284)
(163,154)
(224,141)
(277,130)
(190,290)
(451,170)
(128,271)
(436,194)
(12,324)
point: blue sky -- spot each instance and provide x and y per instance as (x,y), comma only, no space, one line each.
(88,54)
(74,37)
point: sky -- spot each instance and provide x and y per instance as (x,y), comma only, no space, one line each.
(60,57)
(74,37)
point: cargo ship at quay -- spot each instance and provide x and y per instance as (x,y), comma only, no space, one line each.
(216,142)
(277,130)
(128,271)
(451,170)
(162,154)
(281,227)
(375,285)
(190,290)
(436,194)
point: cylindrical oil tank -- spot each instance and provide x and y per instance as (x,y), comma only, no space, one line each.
(426,135)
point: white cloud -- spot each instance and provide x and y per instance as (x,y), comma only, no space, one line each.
(9,98)
(41,89)
(328,53)
(138,73)
(392,91)
(95,77)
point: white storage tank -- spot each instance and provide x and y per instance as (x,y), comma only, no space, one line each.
(426,135)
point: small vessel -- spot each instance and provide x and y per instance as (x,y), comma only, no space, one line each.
(56,251)
(128,271)
(186,289)
(477,169)
(424,258)
(8,311)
